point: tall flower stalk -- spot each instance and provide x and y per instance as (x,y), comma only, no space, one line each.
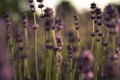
(77,26)
(26,63)
(93,7)
(35,26)
(10,42)
(110,20)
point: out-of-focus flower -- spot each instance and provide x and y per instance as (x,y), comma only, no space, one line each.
(110,16)
(25,20)
(35,26)
(59,42)
(90,75)
(7,20)
(48,12)
(88,54)
(59,57)
(59,24)
(49,24)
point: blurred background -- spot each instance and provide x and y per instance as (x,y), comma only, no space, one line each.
(61,9)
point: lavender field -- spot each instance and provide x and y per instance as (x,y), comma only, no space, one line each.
(44,43)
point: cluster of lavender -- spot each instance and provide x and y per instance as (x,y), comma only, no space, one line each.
(83,65)
(104,23)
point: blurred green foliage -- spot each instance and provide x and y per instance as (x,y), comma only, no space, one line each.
(9,6)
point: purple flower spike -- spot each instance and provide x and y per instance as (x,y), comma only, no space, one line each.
(59,24)
(59,42)
(48,12)
(59,57)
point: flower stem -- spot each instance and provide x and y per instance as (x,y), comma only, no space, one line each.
(36,55)
(12,56)
(26,71)
(93,39)
(35,45)
(20,70)
(71,72)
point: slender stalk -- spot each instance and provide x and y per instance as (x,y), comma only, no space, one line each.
(106,40)
(35,45)
(93,39)
(20,70)
(113,43)
(36,55)
(57,65)
(34,18)
(96,64)
(26,71)
(71,72)
(45,60)
(54,38)
(98,55)
(41,11)
(93,28)
(12,55)
(57,72)
(78,36)
(74,70)
(50,65)
(47,71)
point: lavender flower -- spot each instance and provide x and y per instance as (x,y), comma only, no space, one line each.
(76,22)
(40,1)
(72,37)
(41,5)
(31,5)
(35,26)
(7,20)
(48,12)
(59,24)
(59,42)
(59,58)
(111,10)
(115,57)
(93,5)
(110,16)
(49,24)
(87,54)
(25,20)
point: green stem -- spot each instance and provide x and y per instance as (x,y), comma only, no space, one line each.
(113,43)
(96,64)
(47,62)
(71,72)
(12,56)
(20,70)
(36,55)
(35,45)
(74,70)
(26,71)
(93,39)
(50,65)
(93,28)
